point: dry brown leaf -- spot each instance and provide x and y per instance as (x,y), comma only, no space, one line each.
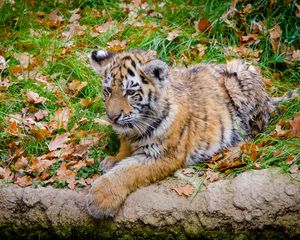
(3,64)
(91,140)
(250,39)
(12,129)
(59,141)
(41,114)
(203,25)
(275,34)
(186,190)
(245,52)
(102,121)
(21,163)
(102,28)
(63,172)
(80,164)
(172,35)
(74,30)
(33,97)
(211,176)
(279,131)
(25,59)
(4,84)
(24,181)
(295,124)
(5,173)
(75,16)
(38,165)
(86,102)
(116,45)
(250,149)
(201,48)
(54,17)
(188,171)
(295,56)
(40,134)
(297,11)
(290,160)
(75,86)
(294,169)
(277,152)
(89,161)
(61,117)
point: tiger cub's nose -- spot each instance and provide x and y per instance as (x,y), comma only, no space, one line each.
(113,117)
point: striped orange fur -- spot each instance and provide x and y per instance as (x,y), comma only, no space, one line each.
(167,118)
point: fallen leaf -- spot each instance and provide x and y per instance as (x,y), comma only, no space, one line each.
(188,171)
(186,190)
(294,169)
(41,114)
(40,134)
(24,181)
(102,28)
(86,102)
(277,152)
(211,176)
(275,34)
(38,165)
(172,35)
(279,131)
(12,129)
(201,48)
(5,83)
(59,141)
(203,25)
(33,97)
(75,16)
(250,39)
(295,56)
(297,11)
(102,121)
(21,163)
(290,160)
(116,45)
(54,17)
(3,64)
(295,124)
(63,172)
(89,161)
(75,86)
(74,30)
(80,164)
(25,59)
(5,173)
(61,118)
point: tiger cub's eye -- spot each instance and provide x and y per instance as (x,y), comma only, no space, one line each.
(130,92)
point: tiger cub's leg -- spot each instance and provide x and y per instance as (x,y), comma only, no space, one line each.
(110,190)
(124,151)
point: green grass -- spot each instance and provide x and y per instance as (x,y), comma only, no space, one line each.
(18,21)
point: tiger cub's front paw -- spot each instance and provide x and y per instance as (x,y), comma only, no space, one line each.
(104,200)
(107,163)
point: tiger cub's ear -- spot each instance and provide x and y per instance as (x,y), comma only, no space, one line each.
(99,59)
(158,71)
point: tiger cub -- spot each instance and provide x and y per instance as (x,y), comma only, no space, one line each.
(169,117)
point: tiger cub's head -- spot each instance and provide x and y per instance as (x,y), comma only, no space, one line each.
(133,84)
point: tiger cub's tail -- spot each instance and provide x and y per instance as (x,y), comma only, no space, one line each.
(293,94)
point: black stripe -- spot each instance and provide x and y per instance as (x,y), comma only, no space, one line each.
(133,64)
(144,80)
(155,124)
(222,131)
(131,73)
